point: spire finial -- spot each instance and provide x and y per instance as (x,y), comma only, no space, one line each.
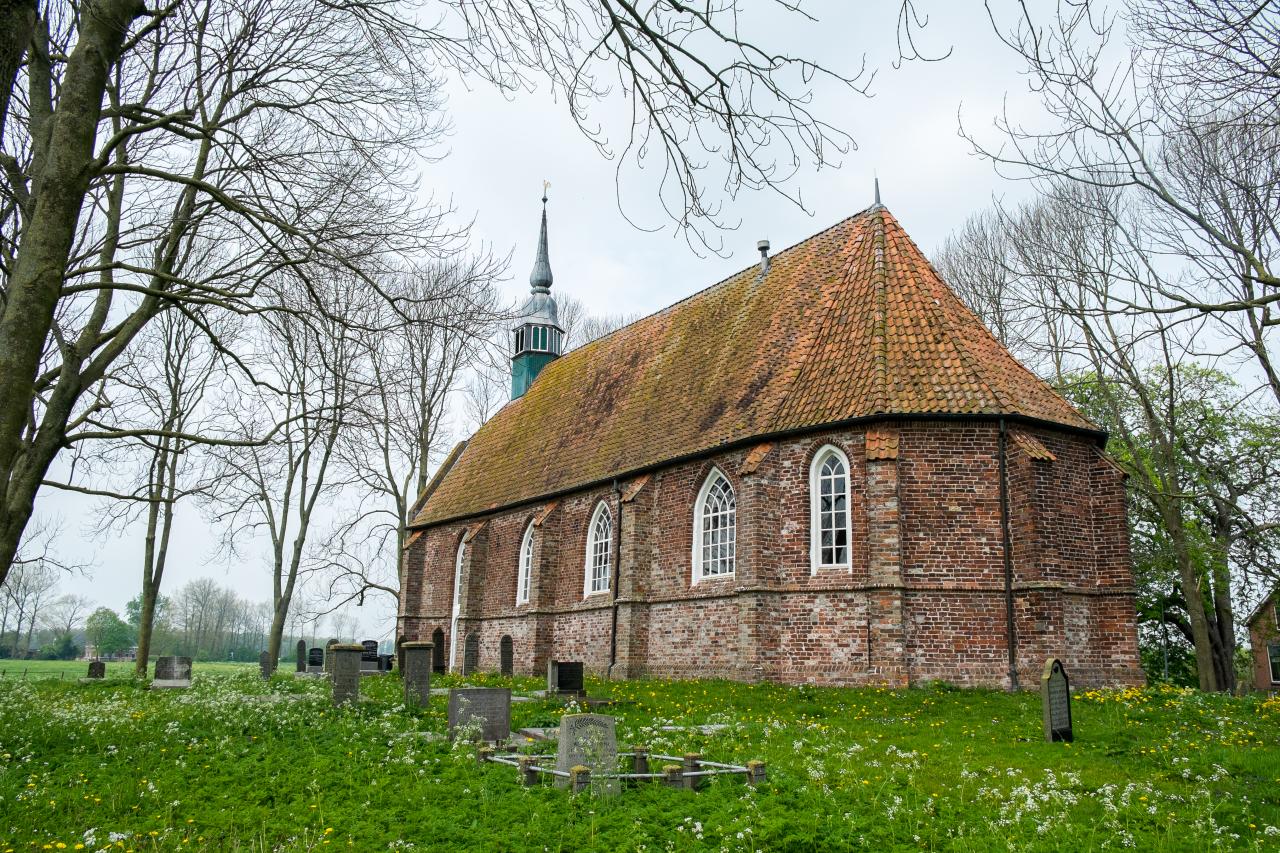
(540,279)
(877,180)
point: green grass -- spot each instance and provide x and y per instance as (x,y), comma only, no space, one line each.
(238,764)
(34,670)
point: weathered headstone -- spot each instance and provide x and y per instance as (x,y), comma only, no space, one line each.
(300,657)
(415,668)
(328,654)
(315,659)
(97,669)
(506,655)
(266,665)
(489,708)
(344,666)
(565,677)
(589,740)
(1055,696)
(471,654)
(172,671)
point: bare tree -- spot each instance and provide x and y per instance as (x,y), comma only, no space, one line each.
(275,488)
(262,135)
(66,612)
(407,375)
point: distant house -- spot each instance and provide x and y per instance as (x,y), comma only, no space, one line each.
(1263,625)
(91,653)
(822,469)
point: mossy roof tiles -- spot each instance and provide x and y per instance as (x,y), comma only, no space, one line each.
(851,323)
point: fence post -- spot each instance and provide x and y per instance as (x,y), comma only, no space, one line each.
(528,771)
(579,778)
(672,776)
(640,760)
(692,764)
(755,773)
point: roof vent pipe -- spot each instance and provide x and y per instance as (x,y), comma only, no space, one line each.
(763,246)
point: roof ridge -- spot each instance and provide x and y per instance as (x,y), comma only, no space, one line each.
(827,320)
(727,279)
(880,311)
(957,340)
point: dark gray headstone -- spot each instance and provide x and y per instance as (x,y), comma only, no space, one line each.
(370,652)
(97,669)
(315,657)
(345,669)
(172,671)
(471,654)
(1055,696)
(416,670)
(489,708)
(266,665)
(565,676)
(506,655)
(300,657)
(590,740)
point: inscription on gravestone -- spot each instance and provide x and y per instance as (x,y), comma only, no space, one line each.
(487,708)
(97,669)
(172,671)
(590,740)
(345,670)
(1055,697)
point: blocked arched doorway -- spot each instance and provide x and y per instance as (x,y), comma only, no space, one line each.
(506,655)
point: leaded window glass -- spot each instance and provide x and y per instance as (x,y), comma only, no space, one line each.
(526,567)
(716,525)
(599,550)
(829,485)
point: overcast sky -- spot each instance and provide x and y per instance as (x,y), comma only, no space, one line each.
(501,149)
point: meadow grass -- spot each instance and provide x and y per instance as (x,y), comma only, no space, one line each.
(238,764)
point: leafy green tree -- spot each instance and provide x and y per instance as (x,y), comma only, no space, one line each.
(1205,483)
(62,648)
(107,632)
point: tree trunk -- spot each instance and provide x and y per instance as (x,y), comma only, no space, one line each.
(1190,582)
(59,186)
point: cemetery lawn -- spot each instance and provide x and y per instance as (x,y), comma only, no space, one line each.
(238,764)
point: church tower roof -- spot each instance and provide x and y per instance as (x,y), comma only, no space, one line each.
(851,325)
(540,279)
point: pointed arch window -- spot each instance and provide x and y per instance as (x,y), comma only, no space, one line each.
(526,566)
(599,551)
(829,523)
(715,528)
(457,604)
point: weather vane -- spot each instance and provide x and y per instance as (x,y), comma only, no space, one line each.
(545,186)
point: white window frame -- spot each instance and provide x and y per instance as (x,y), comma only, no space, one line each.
(699,574)
(524,572)
(815,510)
(589,581)
(457,604)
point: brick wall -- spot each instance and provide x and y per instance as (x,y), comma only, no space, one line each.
(923,597)
(1262,632)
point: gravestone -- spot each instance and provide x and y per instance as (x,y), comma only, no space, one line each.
(328,654)
(369,660)
(1055,696)
(506,655)
(471,654)
(437,640)
(565,677)
(589,740)
(172,671)
(266,665)
(300,657)
(344,666)
(487,707)
(97,669)
(315,659)
(415,668)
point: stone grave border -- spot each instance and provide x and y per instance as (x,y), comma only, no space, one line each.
(687,774)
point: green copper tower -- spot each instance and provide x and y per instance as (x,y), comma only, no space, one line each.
(536,338)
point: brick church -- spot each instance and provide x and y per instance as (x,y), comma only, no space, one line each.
(822,470)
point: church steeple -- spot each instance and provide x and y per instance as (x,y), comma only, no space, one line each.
(537,338)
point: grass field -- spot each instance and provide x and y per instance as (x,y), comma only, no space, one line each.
(38,670)
(238,764)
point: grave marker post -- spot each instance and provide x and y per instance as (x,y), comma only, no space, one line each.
(415,659)
(1055,698)
(345,671)
(300,655)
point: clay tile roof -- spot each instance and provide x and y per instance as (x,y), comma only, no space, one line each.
(851,323)
(1032,446)
(882,443)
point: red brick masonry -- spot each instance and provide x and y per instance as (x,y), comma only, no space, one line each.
(924,599)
